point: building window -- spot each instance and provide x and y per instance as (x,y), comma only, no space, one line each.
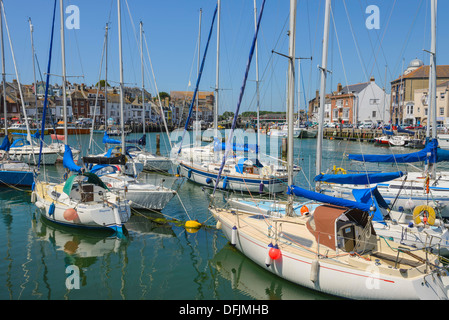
(441,111)
(373,101)
(425,111)
(335,115)
(373,115)
(442,95)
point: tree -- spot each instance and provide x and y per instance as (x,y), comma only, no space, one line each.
(228,114)
(164,95)
(102,82)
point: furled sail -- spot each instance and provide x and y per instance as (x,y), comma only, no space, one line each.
(359,178)
(67,160)
(108,140)
(430,153)
(300,192)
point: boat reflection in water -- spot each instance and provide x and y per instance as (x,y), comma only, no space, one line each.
(76,242)
(257,283)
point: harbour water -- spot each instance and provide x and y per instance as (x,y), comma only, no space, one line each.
(157,259)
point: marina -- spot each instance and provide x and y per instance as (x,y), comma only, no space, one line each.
(158,259)
(132,193)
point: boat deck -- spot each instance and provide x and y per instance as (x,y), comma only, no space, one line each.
(294,239)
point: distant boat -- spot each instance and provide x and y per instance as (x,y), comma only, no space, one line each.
(72,129)
(21,128)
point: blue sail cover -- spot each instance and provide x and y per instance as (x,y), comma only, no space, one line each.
(219,146)
(300,192)
(142,141)
(6,144)
(429,153)
(68,162)
(241,163)
(359,178)
(371,197)
(390,133)
(108,140)
(405,131)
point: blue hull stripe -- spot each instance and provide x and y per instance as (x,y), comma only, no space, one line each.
(230,178)
(17,178)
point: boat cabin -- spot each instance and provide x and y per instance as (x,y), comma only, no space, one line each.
(339,228)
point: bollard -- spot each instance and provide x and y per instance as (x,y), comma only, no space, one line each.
(158,144)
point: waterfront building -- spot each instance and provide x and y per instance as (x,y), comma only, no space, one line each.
(419,109)
(403,103)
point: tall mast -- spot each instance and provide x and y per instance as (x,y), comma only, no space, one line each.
(217,78)
(257,86)
(323,69)
(122,124)
(3,73)
(34,70)
(433,78)
(197,142)
(106,80)
(291,103)
(143,80)
(18,84)
(64,99)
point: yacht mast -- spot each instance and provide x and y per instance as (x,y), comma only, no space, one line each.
(64,99)
(323,69)
(217,78)
(3,74)
(257,87)
(291,103)
(122,124)
(433,77)
(143,79)
(34,71)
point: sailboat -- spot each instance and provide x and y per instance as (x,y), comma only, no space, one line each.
(12,173)
(150,161)
(83,200)
(421,228)
(23,149)
(241,173)
(332,247)
(140,194)
(428,186)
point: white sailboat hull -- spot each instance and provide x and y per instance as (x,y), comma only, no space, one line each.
(141,195)
(339,277)
(152,162)
(28,154)
(97,214)
(407,195)
(206,175)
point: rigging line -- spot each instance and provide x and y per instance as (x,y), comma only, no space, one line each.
(157,91)
(96,97)
(355,41)
(314,44)
(242,91)
(381,41)
(158,95)
(46,89)
(407,38)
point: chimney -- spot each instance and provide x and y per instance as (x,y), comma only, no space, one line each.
(371,79)
(339,87)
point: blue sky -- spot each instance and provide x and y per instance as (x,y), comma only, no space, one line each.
(171,31)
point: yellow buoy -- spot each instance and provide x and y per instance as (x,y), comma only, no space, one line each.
(193,224)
